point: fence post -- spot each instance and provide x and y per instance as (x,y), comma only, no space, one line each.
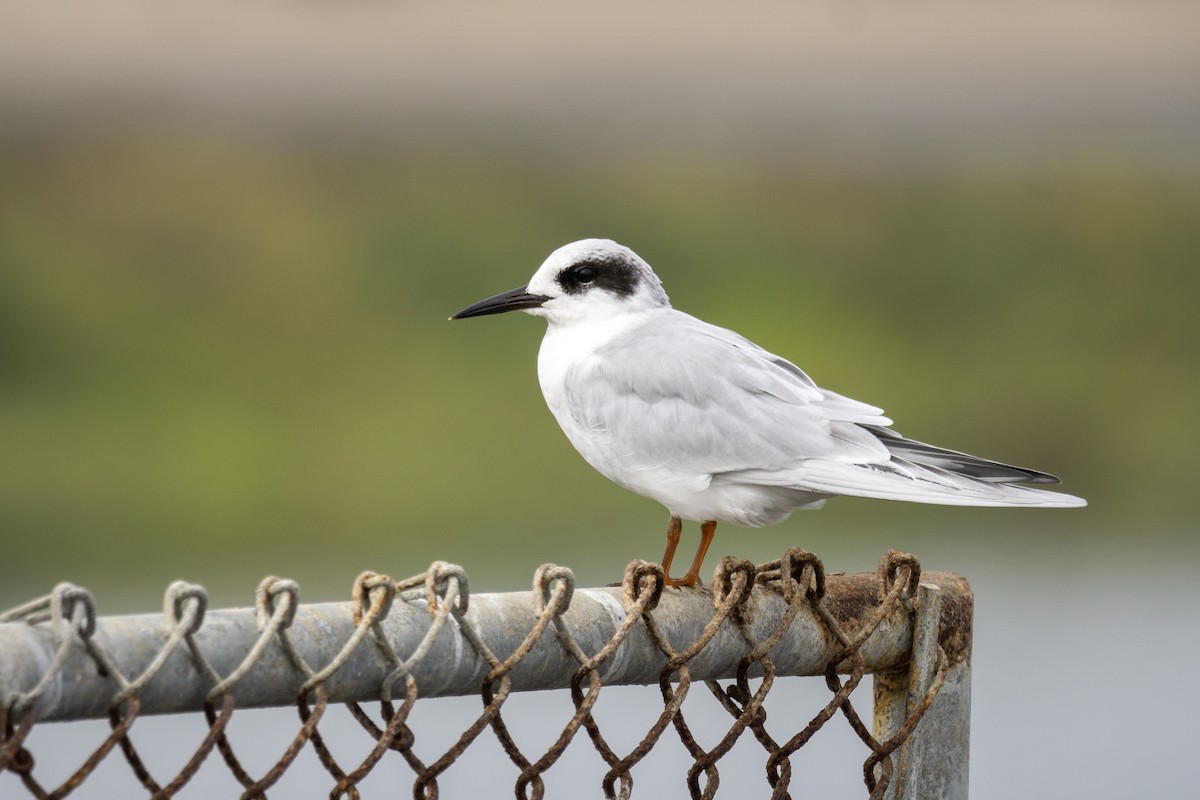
(933,762)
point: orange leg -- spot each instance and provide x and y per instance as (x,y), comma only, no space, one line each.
(707,529)
(674,528)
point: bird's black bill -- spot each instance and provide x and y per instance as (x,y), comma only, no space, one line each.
(512,300)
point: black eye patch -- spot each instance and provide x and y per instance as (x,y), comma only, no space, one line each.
(614,274)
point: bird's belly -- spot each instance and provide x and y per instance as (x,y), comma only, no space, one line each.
(738,504)
(692,496)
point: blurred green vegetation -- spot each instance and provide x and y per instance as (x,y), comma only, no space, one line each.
(225,358)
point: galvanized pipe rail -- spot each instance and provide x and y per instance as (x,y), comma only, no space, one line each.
(50,673)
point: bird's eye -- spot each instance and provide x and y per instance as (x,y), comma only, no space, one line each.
(585,274)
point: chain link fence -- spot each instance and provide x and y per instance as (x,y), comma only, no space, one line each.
(398,641)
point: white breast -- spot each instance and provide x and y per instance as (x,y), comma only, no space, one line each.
(565,347)
(569,347)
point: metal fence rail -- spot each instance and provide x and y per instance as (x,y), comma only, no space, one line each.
(426,636)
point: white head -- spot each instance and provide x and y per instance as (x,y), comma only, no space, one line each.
(585,280)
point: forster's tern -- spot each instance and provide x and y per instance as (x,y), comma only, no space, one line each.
(708,423)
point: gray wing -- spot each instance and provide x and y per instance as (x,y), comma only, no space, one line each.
(706,404)
(703,400)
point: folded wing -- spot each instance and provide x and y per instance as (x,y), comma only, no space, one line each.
(706,405)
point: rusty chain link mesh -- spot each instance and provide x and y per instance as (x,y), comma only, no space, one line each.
(799,577)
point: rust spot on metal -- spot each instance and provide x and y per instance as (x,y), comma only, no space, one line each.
(852,598)
(958,604)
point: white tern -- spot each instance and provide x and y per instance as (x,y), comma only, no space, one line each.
(711,425)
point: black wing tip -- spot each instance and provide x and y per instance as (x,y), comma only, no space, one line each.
(1041,477)
(965,464)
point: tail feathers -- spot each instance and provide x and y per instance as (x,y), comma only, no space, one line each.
(915,472)
(900,479)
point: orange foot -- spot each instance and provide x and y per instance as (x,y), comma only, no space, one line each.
(674,529)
